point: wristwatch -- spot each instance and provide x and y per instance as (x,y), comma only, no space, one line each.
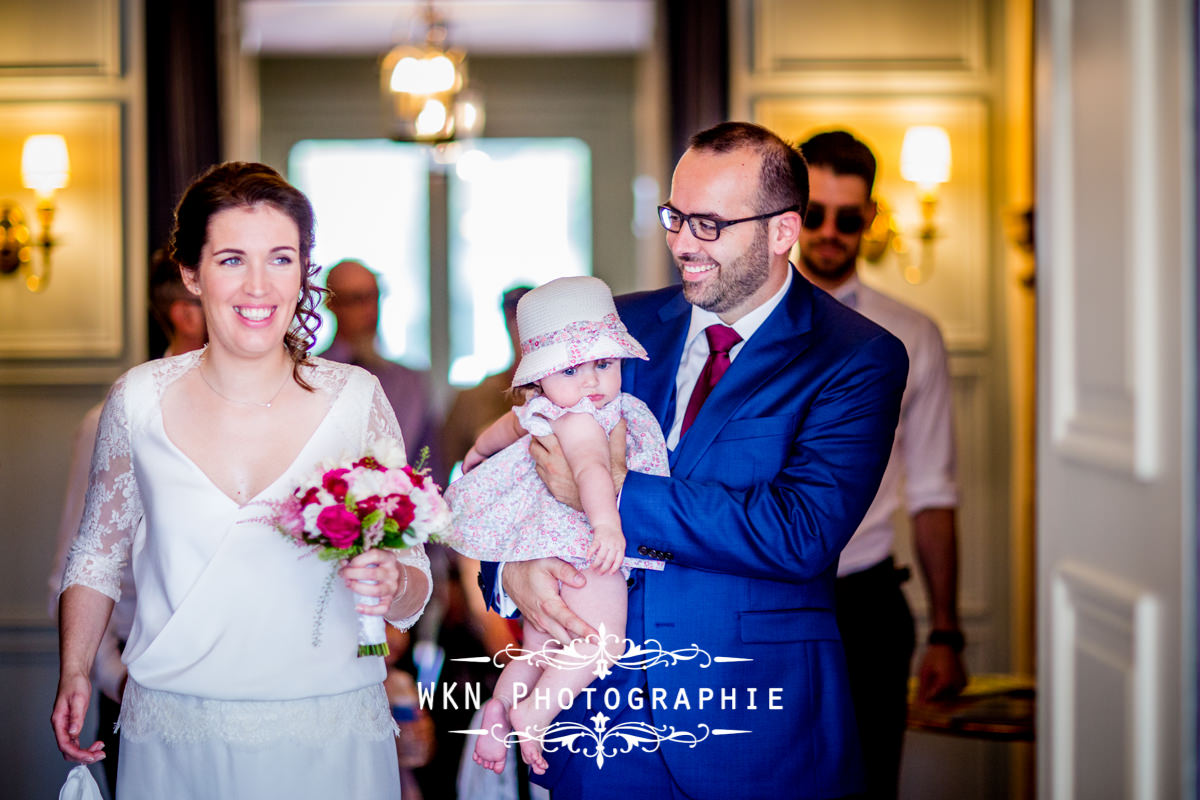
(953,639)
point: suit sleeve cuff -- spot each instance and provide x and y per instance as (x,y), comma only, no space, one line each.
(500,599)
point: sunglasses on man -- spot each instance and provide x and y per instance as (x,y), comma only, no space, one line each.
(848,221)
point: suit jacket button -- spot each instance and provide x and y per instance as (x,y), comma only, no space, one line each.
(642,550)
(669,556)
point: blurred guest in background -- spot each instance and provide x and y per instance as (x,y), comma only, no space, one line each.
(472,411)
(476,408)
(873,615)
(354,301)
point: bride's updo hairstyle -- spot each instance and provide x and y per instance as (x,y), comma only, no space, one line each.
(244,184)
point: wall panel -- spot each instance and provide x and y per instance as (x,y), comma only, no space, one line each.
(61,37)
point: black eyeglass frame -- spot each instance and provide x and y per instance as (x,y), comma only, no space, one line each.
(666,210)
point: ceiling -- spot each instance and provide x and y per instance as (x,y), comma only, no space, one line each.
(346,27)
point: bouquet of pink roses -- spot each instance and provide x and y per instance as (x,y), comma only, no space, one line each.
(363,502)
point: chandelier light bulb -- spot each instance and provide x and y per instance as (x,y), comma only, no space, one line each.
(432,118)
(406,75)
(440,75)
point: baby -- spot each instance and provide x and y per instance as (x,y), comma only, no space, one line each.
(569,376)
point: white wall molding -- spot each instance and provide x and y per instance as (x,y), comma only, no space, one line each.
(1107,635)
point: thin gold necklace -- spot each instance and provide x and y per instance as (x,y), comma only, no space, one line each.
(229,399)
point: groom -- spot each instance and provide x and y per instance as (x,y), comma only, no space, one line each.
(772,468)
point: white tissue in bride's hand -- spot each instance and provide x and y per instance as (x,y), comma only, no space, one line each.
(80,785)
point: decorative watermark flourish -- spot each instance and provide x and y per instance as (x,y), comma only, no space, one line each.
(585,653)
(601,742)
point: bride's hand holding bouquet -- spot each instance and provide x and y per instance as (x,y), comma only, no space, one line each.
(354,511)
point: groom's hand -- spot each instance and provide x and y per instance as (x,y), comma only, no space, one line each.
(554,471)
(534,587)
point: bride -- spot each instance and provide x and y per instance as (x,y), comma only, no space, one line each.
(237,688)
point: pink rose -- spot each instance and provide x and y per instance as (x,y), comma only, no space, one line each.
(339,526)
(335,483)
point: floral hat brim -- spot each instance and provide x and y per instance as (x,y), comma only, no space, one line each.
(573,344)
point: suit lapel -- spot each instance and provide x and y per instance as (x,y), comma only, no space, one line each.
(778,342)
(653,381)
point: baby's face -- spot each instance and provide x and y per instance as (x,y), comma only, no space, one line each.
(598,380)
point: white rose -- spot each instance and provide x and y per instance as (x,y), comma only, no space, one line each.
(310,514)
(365,482)
(387,451)
(430,512)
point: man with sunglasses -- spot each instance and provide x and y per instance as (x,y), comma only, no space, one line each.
(873,616)
(771,472)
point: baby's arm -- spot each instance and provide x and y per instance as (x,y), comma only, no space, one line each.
(499,435)
(585,447)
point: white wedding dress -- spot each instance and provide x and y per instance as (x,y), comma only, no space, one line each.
(234,690)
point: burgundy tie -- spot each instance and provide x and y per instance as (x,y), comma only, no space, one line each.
(721,340)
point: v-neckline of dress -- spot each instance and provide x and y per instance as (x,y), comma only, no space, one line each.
(162,427)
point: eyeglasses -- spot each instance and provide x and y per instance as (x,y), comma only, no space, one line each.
(847,220)
(705,228)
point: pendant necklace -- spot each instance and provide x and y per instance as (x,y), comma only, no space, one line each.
(229,399)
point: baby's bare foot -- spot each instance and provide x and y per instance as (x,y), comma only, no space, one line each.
(490,749)
(531,725)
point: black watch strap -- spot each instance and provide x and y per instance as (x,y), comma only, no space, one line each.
(952,639)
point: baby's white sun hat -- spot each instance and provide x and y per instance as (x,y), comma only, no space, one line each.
(566,322)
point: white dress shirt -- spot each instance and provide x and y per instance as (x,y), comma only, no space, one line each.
(921,468)
(695,350)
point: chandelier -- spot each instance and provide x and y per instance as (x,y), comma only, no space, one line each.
(425,89)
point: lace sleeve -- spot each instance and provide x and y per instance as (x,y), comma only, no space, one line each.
(382,424)
(113,507)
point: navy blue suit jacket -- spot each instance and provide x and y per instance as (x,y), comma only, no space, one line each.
(765,489)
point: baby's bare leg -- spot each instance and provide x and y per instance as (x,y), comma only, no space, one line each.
(490,748)
(602,601)
(585,446)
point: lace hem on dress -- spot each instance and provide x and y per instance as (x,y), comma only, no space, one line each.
(182,719)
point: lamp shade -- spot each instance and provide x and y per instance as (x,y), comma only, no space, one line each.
(45,165)
(925,155)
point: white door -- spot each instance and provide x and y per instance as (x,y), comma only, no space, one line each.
(1117,402)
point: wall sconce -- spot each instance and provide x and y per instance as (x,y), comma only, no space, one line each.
(425,89)
(925,161)
(45,168)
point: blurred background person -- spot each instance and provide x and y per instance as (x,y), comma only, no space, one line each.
(476,408)
(466,627)
(873,615)
(181,319)
(354,302)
